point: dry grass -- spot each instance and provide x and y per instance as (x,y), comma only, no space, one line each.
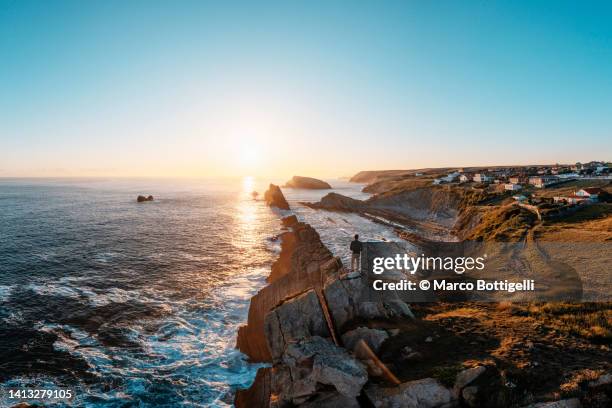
(577,381)
(592,321)
(506,223)
(465,312)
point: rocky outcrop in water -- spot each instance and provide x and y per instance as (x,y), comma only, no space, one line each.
(307,183)
(297,322)
(142,199)
(274,197)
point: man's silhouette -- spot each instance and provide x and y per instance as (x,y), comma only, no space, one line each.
(356,257)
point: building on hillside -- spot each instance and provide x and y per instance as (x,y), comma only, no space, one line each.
(518,179)
(512,187)
(482,178)
(592,193)
(543,181)
(520,198)
(464,178)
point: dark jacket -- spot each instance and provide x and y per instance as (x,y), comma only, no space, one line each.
(356,246)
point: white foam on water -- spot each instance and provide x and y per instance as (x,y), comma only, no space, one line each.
(5,292)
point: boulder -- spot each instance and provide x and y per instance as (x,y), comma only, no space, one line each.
(142,199)
(274,197)
(348,299)
(465,377)
(316,360)
(294,319)
(307,183)
(481,387)
(373,338)
(425,393)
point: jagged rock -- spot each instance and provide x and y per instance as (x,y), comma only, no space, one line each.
(425,393)
(142,199)
(331,365)
(258,394)
(290,221)
(466,377)
(274,197)
(295,319)
(566,403)
(307,183)
(344,298)
(485,385)
(373,338)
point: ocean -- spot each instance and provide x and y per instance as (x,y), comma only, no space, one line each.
(138,304)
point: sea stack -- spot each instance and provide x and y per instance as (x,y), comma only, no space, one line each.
(142,199)
(307,183)
(274,197)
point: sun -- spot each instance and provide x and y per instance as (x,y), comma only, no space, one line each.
(249,156)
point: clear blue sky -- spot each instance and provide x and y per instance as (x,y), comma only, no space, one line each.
(326,88)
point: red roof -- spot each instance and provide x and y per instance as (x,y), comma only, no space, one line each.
(593,190)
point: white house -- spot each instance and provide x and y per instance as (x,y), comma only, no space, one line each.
(543,181)
(464,178)
(591,193)
(520,198)
(482,178)
(512,187)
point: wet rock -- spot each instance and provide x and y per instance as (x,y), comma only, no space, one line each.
(297,318)
(425,393)
(373,338)
(274,197)
(566,403)
(307,183)
(258,394)
(142,199)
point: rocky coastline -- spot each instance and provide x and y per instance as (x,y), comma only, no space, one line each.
(328,343)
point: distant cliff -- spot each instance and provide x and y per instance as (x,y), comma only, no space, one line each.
(307,183)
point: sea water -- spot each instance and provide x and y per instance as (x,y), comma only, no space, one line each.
(138,304)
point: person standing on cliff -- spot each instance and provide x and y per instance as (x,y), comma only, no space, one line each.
(356,257)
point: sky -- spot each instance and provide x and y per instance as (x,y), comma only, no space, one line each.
(319,88)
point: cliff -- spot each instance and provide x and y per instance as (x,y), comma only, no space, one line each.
(330,342)
(307,183)
(274,197)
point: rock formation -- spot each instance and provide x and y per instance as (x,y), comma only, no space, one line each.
(142,199)
(274,197)
(307,183)
(330,341)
